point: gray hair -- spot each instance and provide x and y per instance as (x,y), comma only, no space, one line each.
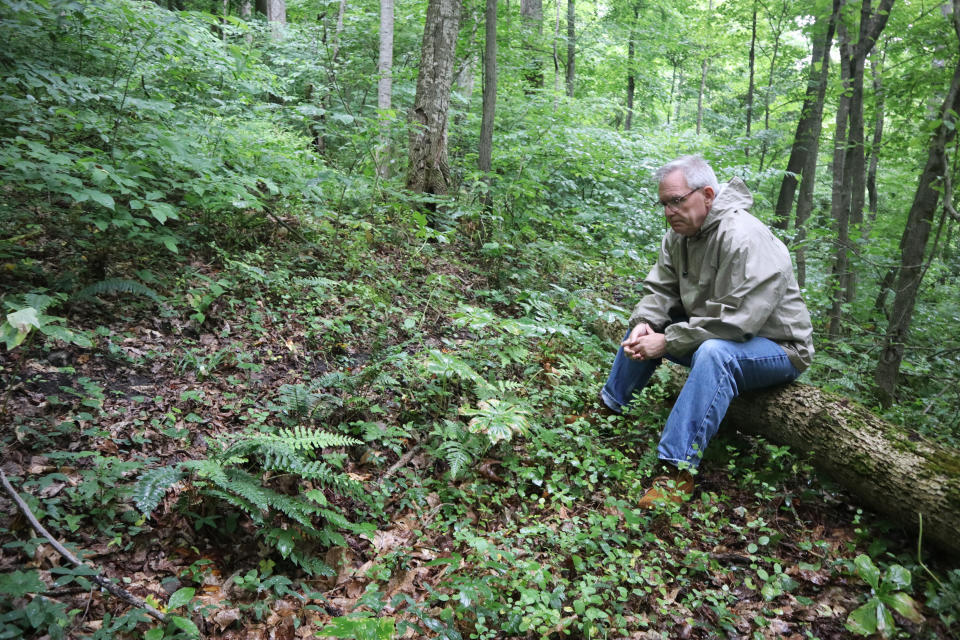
(695,171)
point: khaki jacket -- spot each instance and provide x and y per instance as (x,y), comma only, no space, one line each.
(733,280)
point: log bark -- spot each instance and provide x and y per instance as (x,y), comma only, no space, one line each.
(894,472)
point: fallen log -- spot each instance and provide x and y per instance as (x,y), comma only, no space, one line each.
(887,468)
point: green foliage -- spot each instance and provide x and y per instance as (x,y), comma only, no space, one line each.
(237,475)
(28,314)
(359,628)
(887,595)
(39,614)
(117,285)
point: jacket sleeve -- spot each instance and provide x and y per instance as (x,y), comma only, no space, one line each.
(661,294)
(749,284)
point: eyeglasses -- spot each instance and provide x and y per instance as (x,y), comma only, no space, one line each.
(674,203)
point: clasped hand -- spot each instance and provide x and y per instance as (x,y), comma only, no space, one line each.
(644,343)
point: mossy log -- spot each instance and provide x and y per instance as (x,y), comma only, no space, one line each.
(888,469)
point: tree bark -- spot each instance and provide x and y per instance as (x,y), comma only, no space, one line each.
(806,141)
(876,70)
(631,74)
(913,244)
(753,66)
(485,155)
(849,194)
(385,86)
(888,469)
(556,57)
(429,171)
(571,46)
(531,12)
(275,12)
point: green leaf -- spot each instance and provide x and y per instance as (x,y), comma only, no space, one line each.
(904,605)
(180,597)
(153,634)
(101,198)
(67,335)
(185,624)
(20,583)
(162,211)
(863,621)
(24,319)
(896,578)
(867,570)
(359,628)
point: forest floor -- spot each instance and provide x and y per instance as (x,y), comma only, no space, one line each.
(535,537)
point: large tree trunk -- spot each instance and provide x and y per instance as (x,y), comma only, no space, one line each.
(385,86)
(913,244)
(485,151)
(806,142)
(887,469)
(429,171)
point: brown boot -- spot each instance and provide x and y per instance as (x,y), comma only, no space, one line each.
(674,487)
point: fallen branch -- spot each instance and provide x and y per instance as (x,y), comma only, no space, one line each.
(119,592)
(404,459)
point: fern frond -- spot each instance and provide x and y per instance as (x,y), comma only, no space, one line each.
(116,285)
(304,438)
(297,399)
(153,485)
(457,456)
(237,501)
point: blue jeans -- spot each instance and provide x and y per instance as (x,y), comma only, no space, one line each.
(720,370)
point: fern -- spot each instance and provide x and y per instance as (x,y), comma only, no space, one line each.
(234,475)
(457,456)
(116,285)
(153,485)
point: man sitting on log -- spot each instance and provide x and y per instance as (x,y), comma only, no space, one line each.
(722,299)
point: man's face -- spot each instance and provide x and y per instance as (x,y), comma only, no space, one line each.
(686,217)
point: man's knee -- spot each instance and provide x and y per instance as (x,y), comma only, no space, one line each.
(714,350)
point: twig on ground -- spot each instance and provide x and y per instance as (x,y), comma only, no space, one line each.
(404,459)
(104,582)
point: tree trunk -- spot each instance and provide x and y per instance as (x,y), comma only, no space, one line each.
(840,199)
(753,65)
(631,75)
(531,13)
(876,70)
(429,171)
(703,88)
(888,469)
(849,192)
(489,98)
(571,46)
(385,86)
(275,12)
(807,139)
(556,57)
(914,241)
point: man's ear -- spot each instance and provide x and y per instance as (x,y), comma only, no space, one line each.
(709,194)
